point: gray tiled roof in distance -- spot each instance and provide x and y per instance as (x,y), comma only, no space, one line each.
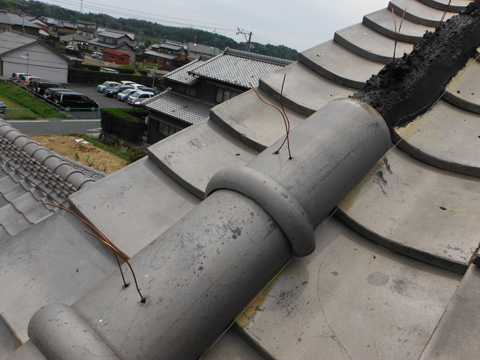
(112,34)
(179,106)
(182,75)
(161,54)
(170,47)
(11,40)
(203,49)
(239,68)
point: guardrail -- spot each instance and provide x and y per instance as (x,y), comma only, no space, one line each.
(17,114)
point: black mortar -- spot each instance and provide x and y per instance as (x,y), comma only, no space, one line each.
(407,87)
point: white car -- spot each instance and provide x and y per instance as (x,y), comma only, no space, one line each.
(107,84)
(138,97)
(127,83)
(97,55)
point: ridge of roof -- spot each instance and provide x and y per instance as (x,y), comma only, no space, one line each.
(258,57)
(63,174)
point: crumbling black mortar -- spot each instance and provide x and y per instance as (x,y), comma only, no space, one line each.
(407,87)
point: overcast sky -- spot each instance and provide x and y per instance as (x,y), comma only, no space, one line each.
(299,24)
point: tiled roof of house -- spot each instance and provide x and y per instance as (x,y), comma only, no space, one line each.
(75,37)
(31,175)
(239,67)
(179,106)
(113,34)
(203,49)
(182,75)
(391,276)
(161,54)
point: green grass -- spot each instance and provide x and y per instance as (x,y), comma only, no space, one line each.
(27,100)
(128,157)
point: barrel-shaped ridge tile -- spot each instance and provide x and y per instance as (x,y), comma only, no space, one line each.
(450,5)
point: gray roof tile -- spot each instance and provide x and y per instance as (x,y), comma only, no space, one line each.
(179,106)
(239,68)
(182,75)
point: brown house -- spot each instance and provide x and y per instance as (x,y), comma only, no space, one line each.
(116,57)
(164,54)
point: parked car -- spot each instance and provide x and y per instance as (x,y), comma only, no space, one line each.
(139,96)
(16,76)
(97,55)
(3,107)
(44,85)
(126,82)
(107,84)
(32,84)
(112,92)
(155,91)
(26,79)
(49,93)
(123,96)
(73,101)
(71,47)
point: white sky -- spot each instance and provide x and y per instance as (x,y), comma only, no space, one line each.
(298,24)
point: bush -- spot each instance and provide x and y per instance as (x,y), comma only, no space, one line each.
(97,77)
(126,71)
(125,123)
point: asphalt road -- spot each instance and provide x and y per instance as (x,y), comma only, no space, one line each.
(56,127)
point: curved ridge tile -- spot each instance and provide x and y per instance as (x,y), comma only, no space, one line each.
(254,123)
(192,156)
(304,91)
(138,199)
(445,137)
(464,89)
(349,299)
(403,196)
(370,44)
(382,21)
(452,5)
(419,12)
(340,65)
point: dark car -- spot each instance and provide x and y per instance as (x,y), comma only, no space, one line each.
(32,84)
(112,92)
(74,101)
(44,85)
(49,93)
(3,107)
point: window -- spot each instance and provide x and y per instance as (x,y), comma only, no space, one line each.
(166,129)
(122,59)
(181,88)
(111,57)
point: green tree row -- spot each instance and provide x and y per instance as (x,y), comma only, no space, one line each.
(147,31)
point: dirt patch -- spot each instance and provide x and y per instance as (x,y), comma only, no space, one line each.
(81,151)
(407,87)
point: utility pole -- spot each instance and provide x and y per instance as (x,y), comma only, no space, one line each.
(249,41)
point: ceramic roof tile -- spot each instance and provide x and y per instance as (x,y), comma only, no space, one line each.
(179,106)
(182,75)
(239,68)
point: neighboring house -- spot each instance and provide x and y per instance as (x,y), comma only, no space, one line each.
(73,39)
(59,27)
(215,222)
(25,53)
(200,85)
(114,40)
(18,22)
(164,54)
(116,57)
(197,50)
(86,29)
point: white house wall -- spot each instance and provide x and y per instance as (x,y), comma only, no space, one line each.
(42,62)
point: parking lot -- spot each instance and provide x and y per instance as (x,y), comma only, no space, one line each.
(102,100)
